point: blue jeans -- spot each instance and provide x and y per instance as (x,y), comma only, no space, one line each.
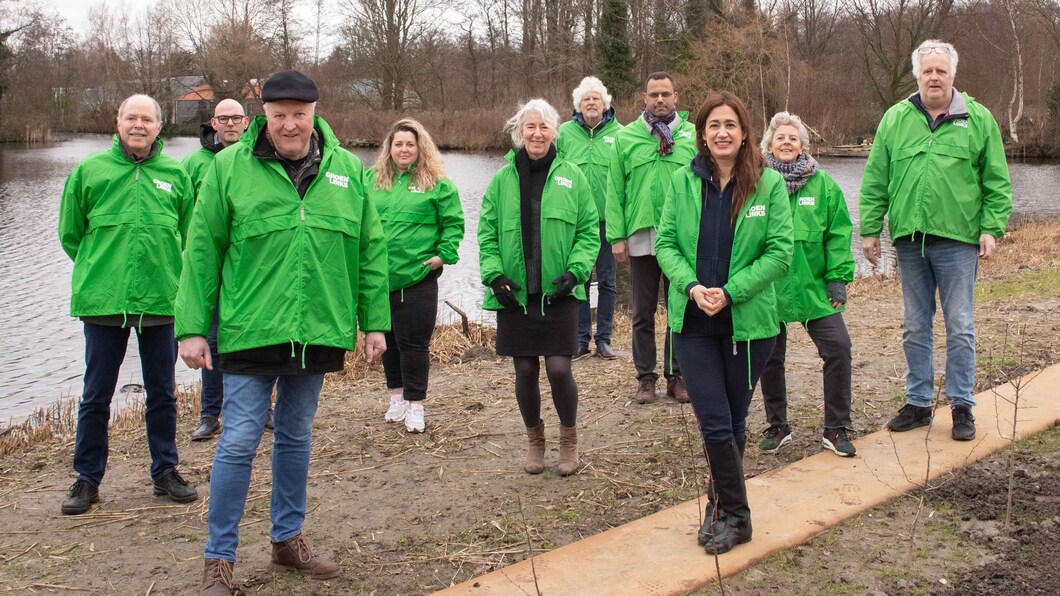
(245,406)
(104,352)
(213,392)
(605,306)
(950,267)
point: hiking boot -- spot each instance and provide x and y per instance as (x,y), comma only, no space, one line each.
(268,420)
(645,391)
(910,417)
(398,408)
(775,437)
(208,427)
(217,578)
(603,350)
(583,353)
(836,441)
(174,487)
(297,555)
(963,423)
(675,388)
(80,498)
(414,418)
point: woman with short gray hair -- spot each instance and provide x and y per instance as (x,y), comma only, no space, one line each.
(538,239)
(813,291)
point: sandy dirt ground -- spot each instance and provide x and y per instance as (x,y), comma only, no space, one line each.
(409,514)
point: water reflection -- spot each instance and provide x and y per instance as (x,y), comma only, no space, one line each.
(44,356)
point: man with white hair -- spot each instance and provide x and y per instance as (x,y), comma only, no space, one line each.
(227,125)
(646,153)
(122,220)
(586,140)
(284,214)
(937,170)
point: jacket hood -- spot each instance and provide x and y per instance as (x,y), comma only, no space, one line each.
(608,116)
(702,167)
(208,138)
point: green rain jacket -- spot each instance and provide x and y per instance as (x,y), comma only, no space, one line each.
(640,177)
(197,162)
(822,251)
(761,251)
(952,182)
(418,224)
(570,233)
(305,271)
(590,151)
(124,226)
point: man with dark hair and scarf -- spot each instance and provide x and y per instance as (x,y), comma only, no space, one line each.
(646,153)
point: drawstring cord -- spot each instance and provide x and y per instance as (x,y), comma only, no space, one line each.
(402,300)
(292,347)
(140,324)
(304,346)
(124,318)
(542,305)
(750,386)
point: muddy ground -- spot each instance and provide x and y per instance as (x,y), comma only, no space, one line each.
(410,514)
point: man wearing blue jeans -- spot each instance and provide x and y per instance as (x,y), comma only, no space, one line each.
(122,220)
(937,169)
(284,214)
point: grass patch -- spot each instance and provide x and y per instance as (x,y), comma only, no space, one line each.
(1041,282)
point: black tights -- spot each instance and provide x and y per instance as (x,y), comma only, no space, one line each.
(528,389)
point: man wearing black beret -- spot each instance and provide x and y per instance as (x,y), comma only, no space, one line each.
(284,214)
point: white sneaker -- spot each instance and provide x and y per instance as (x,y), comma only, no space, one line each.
(414,418)
(397,410)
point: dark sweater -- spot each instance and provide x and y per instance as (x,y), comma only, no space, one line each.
(714,251)
(533,173)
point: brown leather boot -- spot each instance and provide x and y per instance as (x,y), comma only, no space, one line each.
(645,391)
(568,450)
(297,555)
(535,451)
(217,578)
(675,388)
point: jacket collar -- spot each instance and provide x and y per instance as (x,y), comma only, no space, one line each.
(208,138)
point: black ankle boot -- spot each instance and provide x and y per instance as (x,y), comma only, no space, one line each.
(734,517)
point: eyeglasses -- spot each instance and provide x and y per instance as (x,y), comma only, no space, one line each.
(225,119)
(933,50)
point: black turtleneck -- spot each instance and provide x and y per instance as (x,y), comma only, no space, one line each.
(533,173)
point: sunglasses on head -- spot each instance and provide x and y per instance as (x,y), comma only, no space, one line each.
(933,50)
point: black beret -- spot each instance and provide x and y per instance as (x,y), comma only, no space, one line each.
(290,84)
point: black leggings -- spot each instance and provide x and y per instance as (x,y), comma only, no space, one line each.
(528,389)
(407,359)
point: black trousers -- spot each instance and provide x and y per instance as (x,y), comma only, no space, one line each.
(720,377)
(830,336)
(645,277)
(407,359)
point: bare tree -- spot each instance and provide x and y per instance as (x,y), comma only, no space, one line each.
(888,32)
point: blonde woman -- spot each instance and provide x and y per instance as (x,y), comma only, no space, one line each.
(424,223)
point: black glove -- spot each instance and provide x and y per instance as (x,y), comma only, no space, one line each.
(837,292)
(502,288)
(564,285)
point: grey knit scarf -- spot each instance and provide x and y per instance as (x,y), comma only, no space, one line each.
(796,173)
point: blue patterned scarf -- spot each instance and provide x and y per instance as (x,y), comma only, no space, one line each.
(660,124)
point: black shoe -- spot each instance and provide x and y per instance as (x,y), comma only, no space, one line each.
(79,500)
(174,487)
(910,417)
(208,427)
(603,350)
(582,354)
(963,423)
(268,420)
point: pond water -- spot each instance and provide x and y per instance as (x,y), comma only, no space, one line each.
(45,355)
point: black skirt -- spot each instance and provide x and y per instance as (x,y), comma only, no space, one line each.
(531,334)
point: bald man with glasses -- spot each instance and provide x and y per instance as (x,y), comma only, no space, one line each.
(229,122)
